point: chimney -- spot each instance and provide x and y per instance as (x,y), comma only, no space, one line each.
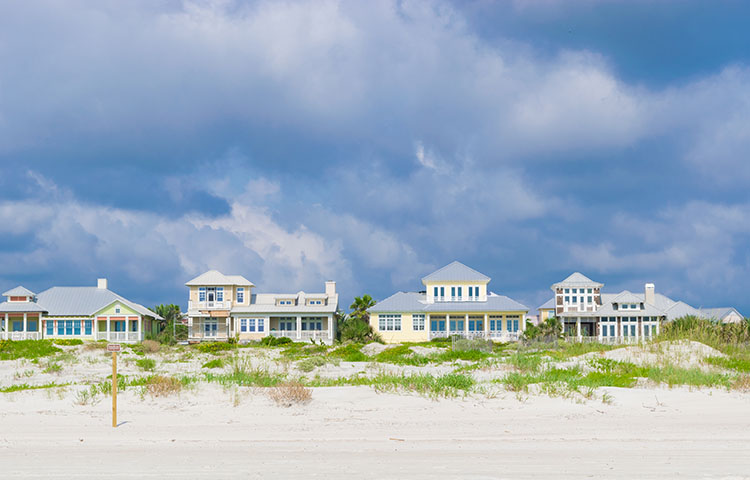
(650,295)
(330,288)
(101,283)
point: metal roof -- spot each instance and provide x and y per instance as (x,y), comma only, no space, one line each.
(401,302)
(68,301)
(215,277)
(718,313)
(547,305)
(20,307)
(415,302)
(577,279)
(456,272)
(627,297)
(19,291)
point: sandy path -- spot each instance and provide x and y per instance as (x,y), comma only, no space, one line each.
(353,432)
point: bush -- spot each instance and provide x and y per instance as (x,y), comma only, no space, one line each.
(147,364)
(440,340)
(290,393)
(67,341)
(275,341)
(215,363)
(161,386)
(478,344)
(309,364)
(150,346)
(350,353)
(11,350)
(358,331)
(214,347)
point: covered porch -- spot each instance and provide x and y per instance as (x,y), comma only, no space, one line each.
(209,329)
(20,326)
(502,328)
(124,329)
(302,328)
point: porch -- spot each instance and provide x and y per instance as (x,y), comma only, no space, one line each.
(611,330)
(20,326)
(299,328)
(500,328)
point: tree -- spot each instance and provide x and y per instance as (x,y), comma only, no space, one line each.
(360,306)
(355,327)
(171,315)
(548,331)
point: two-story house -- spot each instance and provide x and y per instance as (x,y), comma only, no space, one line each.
(87,313)
(226,306)
(586,312)
(456,301)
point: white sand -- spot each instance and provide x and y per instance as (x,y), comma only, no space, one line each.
(353,432)
(685,353)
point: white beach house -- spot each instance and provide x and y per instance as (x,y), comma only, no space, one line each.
(221,307)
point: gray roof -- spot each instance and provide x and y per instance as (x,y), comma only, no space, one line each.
(456,272)
(577,279)
(647,311)
(19,291)
(20,307)
(681,309)
(215,277)
(627,297)
(69,301)
(415,302)
(547,305)
(719,313)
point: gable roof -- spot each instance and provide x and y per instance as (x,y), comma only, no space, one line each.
(21,307)
(718,313)
(215,277)
(547,305)
(627,297)
(86,301)
(400,302)
(456,272)
(577,279)
(19,291)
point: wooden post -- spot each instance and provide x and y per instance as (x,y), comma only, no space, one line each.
(114,389)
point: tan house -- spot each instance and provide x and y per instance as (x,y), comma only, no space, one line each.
(221,307)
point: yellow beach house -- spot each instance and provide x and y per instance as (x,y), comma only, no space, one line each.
(456,302)
(87,313)
(221,307)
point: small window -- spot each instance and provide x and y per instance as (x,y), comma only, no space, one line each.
(240,294)
(219,294)
(567,290)
(417,322)
(590,300)
(567,299)
(117,309)
(202,294)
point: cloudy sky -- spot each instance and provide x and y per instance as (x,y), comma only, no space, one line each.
(372,142)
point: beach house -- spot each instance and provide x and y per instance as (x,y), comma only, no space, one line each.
(456,301)
(88,313)
(588,313)
(221,307)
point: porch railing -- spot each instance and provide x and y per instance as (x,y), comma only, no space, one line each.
(491,335)
(118,336)
(20,335)
(208,305)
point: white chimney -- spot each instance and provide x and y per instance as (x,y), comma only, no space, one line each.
(650,295)
(330,288)
(101,283)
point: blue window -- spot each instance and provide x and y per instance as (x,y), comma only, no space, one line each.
(453,292)
(68,327)
(437,325)
(261,326)
(442,291)
(240,294)
(567,299)
(611,330)
(60,327)
(575,290)
(457,325)
(604,330)
(17,326)
(219,294)
(567,290)
(87,324)
(459,292)
(77,327)
(120,326)
(202,294)
(632,330)
(476,325)
(243,324)
(436,290)
(646,330)
(134,325)
(250,324)
(50,327)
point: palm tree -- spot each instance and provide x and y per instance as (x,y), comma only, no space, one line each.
(360,306)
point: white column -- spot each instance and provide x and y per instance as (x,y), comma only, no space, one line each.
(643,327)
(6,327)
(107,320)
(578,327)
(657,325)
(25,327)
(428,325)
(94,327)
(601,328)
(140,327)
(486,326)
(299,326)
(466,324)
(622,327)
(330,327)
(229,322)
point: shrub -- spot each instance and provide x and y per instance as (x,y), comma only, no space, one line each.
(441,340)
(357,330)
(215,363)
(11,350)
(147,364)
(464,344)
(67,341)
(290,393)
(101,345)
(350,353)
(214,347)
(161,386)
(150,346)
(309,364)
(401,355)
(275,341)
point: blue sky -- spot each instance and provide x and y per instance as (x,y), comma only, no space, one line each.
(373,142)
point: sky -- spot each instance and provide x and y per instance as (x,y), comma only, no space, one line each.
(372,142)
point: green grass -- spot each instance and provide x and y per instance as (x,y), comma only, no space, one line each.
(737,363)
(311,363)
(148,364)
(349,353)
(401,355)
(448,385)
(11,350)
(251,378)
(69,342)
(215,363)
(300,350)
(525,362)
(214,347)
(24,386)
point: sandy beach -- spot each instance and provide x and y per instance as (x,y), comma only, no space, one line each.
(355,432)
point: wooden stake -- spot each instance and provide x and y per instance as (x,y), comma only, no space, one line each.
(114,389)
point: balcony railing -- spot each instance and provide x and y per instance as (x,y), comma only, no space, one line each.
(118,336)
(209,305)
(20,335)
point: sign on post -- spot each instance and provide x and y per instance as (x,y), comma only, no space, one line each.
(114,348)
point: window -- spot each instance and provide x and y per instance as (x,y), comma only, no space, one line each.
(437,325)
(460,295)
(417,322)
(60,327)
(68,327)
(589,291)
(496,323)
(50,327)
(117,309)
(471,293)
(261,325)
(250,324)
(512,323)
(389,322)
(633,306)
(442,293)
(567,299)
(240,294)
(77,327)
(210,328)
(567,290)
(624,306)
(646,329)
(575,299)
(243,324)
(457,325)
(202,294)
(435,291)
(87,324)
(453,293)
(476,324)
(604,330)
(590,300)
(219,294)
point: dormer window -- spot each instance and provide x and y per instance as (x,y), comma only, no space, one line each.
(633,306)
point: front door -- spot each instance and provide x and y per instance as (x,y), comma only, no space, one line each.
(210,328)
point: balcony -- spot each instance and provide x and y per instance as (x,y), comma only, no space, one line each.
(225,305)
(20,335)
